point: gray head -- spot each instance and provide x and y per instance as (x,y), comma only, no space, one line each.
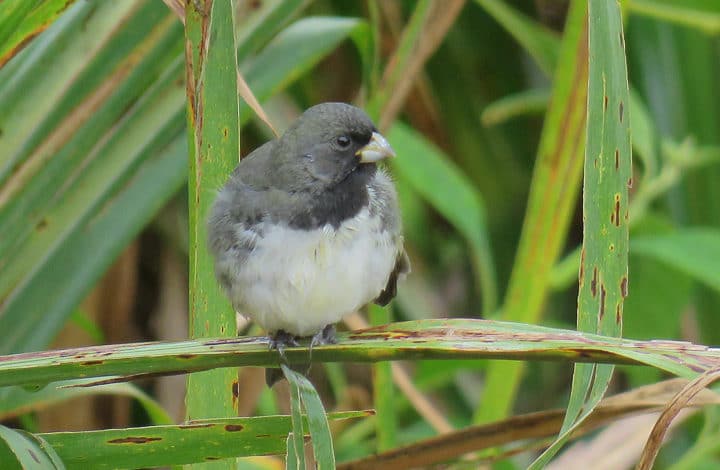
(325,145)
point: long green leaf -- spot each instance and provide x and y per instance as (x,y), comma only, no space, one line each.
(20,400)
(426,339)
(384,399)
(22,20)
(604,262)
(40,305)
(77,137)
(292,461)
(294,51)
(442,184)
(541,43)
(19,449)
(303,392)
(213,133)
(695,251)
(704,17)
(207,440)
(553,192)
(255,30)
(296,440)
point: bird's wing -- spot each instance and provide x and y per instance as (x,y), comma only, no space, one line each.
(401,269)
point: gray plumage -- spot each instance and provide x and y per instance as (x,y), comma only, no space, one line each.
(304,232)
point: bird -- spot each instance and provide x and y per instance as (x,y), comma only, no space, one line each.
(307,228)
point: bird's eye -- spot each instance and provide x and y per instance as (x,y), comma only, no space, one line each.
(343,141)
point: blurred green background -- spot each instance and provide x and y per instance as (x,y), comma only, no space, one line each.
(93,167)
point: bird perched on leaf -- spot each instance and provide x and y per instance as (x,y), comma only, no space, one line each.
(307,228)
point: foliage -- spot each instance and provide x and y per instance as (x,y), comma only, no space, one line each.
(95,136)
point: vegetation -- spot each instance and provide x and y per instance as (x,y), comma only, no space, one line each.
(514,123)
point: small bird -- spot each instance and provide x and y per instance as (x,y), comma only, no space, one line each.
(307,228)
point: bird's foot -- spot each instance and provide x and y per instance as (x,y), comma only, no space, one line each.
(324,336)
(280,340)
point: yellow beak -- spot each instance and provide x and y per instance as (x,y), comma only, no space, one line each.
(377,149)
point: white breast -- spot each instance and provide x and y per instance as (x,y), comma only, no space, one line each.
(299,281)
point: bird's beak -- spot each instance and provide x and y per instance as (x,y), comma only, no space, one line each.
(377,149)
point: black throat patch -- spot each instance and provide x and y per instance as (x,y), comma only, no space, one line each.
(338,203)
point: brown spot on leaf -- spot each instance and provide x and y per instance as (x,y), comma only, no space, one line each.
(91,363)
(630,182)
(621,111)
(617,159)
(41,224)
(605,102)
(615,218)
(624,286)
(186,356)
(225,132)
(235,389)
(582,353)
(33,455)
(134,440)
(603,293)
(611,247)
(233,427)
(618,314)
(695,368)
(593,282)
(581,277)
(196,425)
(211,459)
(369,336)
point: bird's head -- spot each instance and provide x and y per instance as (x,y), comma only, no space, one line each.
(328,143)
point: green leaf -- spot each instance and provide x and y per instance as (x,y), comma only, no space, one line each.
(39,308)
(383,390)
(426,339)
(26,451)
(15,401)
(604,262)
(317,421)
(207,440)
(523,103)
(262,23)
(644,135)
(654,308)
(21,20)
(433,175)
(403,55)
(553,193)
(122,204)
(54,212)
(65,164)
(213,133)
(694,251)
(295,458)
(701,15)
(292,461)
(293,52)
(541,43)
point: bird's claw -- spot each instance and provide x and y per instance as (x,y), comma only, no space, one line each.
(324,336)
(282,339)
